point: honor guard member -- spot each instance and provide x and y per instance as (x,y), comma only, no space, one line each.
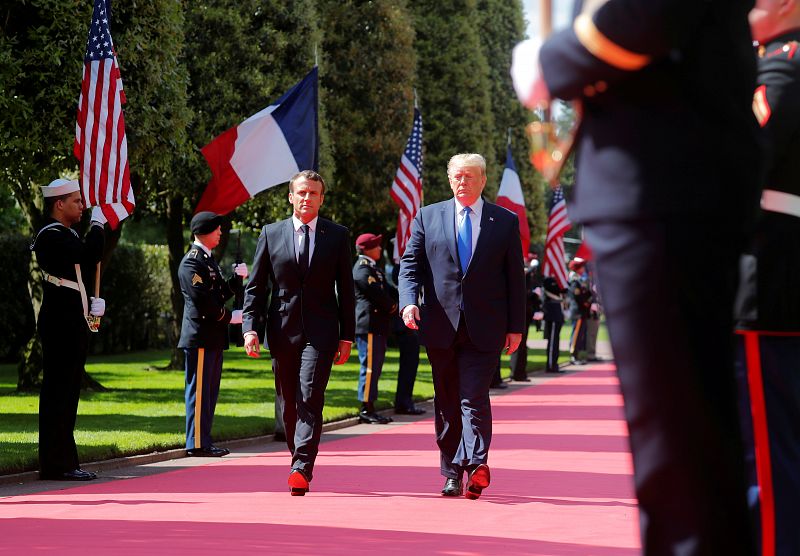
(768,308)
(375,305)
(580,300)
(553,321)
(63,327)
(204,330)
(668,169)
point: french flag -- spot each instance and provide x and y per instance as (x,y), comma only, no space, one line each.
(265,150)
(510,196)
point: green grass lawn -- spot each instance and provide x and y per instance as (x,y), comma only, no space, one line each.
(143,409)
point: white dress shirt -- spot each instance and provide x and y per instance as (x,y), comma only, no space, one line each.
(474,217)
(203,247)
(299,236)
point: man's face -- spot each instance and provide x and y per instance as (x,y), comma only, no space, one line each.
(467,183)
(71,208)
(306,197)
(373,253)
(765,18)
(210,240)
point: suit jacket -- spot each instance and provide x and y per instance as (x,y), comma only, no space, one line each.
(302,309)
(492,291)
(205,317)
(376,299)
(667,89)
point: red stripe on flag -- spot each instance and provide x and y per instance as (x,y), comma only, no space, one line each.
(225,191)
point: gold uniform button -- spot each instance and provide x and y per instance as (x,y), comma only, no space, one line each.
(589,91)
(601,86)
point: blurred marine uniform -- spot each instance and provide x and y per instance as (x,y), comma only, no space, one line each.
(667,164)
(768,306)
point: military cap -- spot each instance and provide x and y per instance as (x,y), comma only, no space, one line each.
(205,222)
(368,241)
(60,187)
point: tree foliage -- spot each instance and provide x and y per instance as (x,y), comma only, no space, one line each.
(453,88)
(368,80)
(501,27)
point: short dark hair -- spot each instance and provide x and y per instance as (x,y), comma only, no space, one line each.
(310,175)
(50,203)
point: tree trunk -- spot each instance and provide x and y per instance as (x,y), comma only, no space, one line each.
(177,248)
(29,370)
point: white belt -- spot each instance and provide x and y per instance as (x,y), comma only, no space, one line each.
(778,201)
(77,286)
(61,282)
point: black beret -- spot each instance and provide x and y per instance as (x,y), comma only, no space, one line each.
(205,222)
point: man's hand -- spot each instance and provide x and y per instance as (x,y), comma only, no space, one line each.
(251,346)
(98,217)
(240,269)
(98,306)
(512,343)
(344,352)
(411,316)
(236,317)
(527,75)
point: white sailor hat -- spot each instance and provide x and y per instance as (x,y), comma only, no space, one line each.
(60,187)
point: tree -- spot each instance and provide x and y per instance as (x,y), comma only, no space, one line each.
(453,87)
(502,25)
(368,79)
(41,48)
(240,56)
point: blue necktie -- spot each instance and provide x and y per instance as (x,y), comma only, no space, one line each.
(465,240)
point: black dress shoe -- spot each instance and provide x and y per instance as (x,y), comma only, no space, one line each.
(499,386)
(74,475)
(298,483)
(522,379)
(372,418)
(452,487)
(208,452)
(409,410)
(479,479)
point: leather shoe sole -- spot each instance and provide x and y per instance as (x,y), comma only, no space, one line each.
(74,475)
(479,479)
(409,411)
(210,452)
(298,483)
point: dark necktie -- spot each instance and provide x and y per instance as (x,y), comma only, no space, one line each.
(302,260)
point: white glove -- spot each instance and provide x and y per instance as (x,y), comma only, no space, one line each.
(98,216)
(595,308)
(538,315)
(236,317)
(525,72)
(98,307)
(538,291)
(240,270)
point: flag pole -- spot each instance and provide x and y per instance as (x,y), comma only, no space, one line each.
(508,136)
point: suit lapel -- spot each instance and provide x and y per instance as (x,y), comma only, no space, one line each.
(320,242)
(487,228)
(448,227)
(288,244)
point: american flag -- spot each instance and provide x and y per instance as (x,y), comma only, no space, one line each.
(407,187)
(100,144)
(557,224)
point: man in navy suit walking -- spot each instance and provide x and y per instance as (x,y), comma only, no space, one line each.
(464,261)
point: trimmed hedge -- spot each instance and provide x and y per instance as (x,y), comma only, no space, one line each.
(135,286)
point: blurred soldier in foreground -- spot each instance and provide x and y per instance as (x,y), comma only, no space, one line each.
(668,164)
(64,259)
(768,305)
(204,331)
(375,305)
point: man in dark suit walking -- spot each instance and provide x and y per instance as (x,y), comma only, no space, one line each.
(302,277)
(464,256)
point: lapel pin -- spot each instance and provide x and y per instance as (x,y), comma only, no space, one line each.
(491,219)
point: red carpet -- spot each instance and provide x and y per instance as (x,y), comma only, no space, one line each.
(561,484)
